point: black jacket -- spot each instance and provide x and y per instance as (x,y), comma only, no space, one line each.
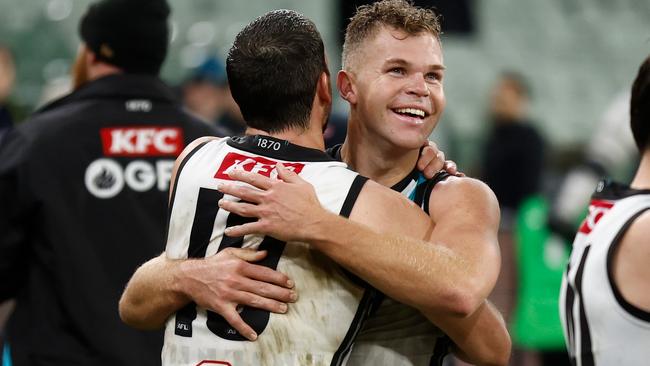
(83,197)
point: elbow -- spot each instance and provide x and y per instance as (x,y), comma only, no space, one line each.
(469,295)
(130,316)
(453,301)
(463,303)
(126,315)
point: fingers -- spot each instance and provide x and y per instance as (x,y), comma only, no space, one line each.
(254,179)
(268,275)
(242,192)
(248,255)
(431,160)
(434,166)
(450,167)
(427,155)
(287,175)
(269,291)
(431,144)
(245,229)
(440,156)
(234,319)
(239,208)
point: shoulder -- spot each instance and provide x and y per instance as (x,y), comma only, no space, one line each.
(465,188)
(465,195)
(192,148)
(196,145)
(379,202)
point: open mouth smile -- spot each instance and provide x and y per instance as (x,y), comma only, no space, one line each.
(413,115)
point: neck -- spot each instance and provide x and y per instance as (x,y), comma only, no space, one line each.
(307,138)
(375,158)
(102,69)
(642,178)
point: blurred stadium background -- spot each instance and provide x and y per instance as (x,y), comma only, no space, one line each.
(577,54)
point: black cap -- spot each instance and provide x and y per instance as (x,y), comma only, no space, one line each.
(130,34)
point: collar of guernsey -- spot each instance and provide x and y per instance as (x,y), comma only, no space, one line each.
(415,185)
(277,149)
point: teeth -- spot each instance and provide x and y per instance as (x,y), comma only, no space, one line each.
(413,111)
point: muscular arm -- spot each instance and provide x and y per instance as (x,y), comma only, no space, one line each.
(399,250)
(392,248)
(162,286)
(443,280)
(153,294)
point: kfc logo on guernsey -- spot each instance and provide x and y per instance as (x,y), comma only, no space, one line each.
(142,141)
(597,209)
(254,164)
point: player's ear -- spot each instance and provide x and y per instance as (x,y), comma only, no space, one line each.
(345,85)
(323,88)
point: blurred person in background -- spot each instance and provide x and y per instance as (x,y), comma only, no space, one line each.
(206,93)
(512,165)
(513,159)
(83,190)
(514,153)
(605,295)
(7,77)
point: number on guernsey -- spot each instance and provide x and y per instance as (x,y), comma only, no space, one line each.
(267,144)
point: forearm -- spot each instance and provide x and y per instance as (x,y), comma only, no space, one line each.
(481,338)
(152,295)
(421,274)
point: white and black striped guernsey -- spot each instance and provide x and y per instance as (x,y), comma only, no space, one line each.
(600,326)
(394,333)
(320,326)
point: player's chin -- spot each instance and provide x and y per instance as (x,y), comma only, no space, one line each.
(408,141)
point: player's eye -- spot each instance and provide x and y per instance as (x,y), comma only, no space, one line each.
(434,76)
(397,71)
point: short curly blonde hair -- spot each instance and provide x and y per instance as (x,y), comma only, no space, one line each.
(398,14)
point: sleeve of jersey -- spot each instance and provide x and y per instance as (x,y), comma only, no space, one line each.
(16,206)
(183,207)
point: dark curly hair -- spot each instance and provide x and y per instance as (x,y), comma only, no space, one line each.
(273,68)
